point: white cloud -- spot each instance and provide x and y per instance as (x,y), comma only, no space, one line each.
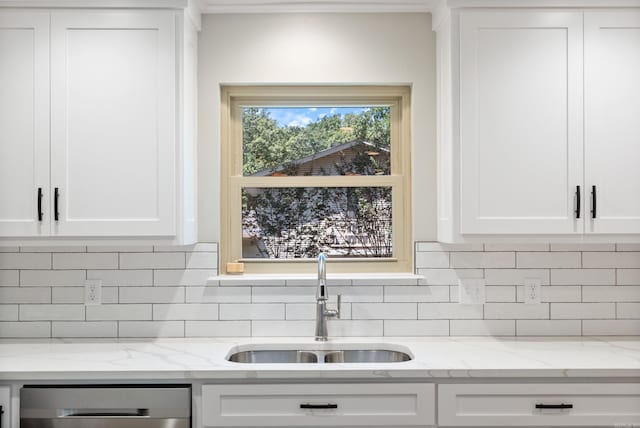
(300,120)
(312,109)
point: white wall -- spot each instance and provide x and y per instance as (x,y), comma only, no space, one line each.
(318,49)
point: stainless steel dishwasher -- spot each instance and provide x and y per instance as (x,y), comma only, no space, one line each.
(105,406)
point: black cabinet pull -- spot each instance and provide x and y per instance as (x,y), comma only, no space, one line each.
(554,406)
(578,202)
(593,202)
(56,195)
(39,203)
(319,406)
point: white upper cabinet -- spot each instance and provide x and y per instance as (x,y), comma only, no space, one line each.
(612,120)
(520,122)
(113,123)
(24,123)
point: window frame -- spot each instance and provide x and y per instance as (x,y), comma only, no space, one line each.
(232,180)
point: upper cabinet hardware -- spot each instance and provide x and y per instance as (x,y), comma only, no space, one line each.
(39,203)
(56,195)
(593,202)
(319,406)
(578,202)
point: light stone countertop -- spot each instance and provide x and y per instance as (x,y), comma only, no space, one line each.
(202,359)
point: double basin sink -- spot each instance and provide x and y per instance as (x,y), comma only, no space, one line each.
(319,356)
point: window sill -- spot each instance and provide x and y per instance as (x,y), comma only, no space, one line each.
(293,280)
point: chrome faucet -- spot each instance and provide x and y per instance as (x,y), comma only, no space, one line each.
(322,295)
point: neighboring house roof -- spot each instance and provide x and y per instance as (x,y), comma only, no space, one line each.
(322,158)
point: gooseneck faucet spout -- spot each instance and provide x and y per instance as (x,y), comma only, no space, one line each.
(322,295)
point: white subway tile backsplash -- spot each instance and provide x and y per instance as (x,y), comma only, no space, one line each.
(9,278)
(483,260)
(149,291)
(384,311)
(548,260)
(218,328)
(448,276)
(188,277)
(515,276)
(252,311)
(202,260)
(88,329)
(152,295)
(151,328)
(583,276)
(283,328)
(134,312)
(628,276)
(152,260)
(218,294)
(25,295)
(611,327)
(611,260)
(516,311)
(435,293)
(548,327)
(85,261)
(583,311)
(185,311)
(28,329)
(432,259)
(76,295)
(482,327)
(25,261)
(416,327)
(449,311)
(45,278)
(122,278)
(611,294)
(8,312)
(51,312)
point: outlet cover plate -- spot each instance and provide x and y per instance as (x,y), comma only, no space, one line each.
(471,291)
(532,291)
(92,292)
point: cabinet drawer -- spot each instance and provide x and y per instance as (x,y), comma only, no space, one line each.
(318,405)
(533,405)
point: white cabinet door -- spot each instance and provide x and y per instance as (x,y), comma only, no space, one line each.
(113,139)
(612,120)
(24,123)
(5,407)
(520,122)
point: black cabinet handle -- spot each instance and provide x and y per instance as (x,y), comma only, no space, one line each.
(56,195)
(554,406)
(593,202)
(39,203)
(319,406)
(578,202)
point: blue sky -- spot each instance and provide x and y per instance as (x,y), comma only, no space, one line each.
(302,116)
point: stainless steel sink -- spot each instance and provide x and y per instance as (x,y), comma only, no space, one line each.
(318,356)
(273,357)
(366,356)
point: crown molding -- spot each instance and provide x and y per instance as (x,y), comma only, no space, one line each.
(85,4)
(456,4)
(317,6)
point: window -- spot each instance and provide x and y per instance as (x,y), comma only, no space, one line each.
(316,169)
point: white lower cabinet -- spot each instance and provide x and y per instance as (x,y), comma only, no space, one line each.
(547,405)
(5,406)
(319,405)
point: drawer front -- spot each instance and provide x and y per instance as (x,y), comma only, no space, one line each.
(581,405)
(318,405)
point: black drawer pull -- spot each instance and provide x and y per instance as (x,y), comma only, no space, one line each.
(319,406)
(578,202)
(56,195)
(594,204)
(39,203)
(554,406)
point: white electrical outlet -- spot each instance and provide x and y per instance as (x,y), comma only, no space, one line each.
(471,291)
(532,291)
(92,291)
